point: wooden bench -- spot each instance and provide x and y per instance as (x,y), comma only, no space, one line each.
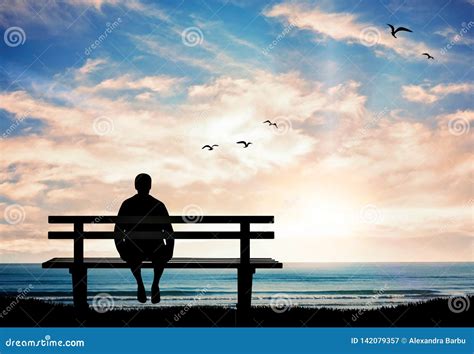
(245,266)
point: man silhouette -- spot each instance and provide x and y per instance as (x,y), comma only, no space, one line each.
(135,251)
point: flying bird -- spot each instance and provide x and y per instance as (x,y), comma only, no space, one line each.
(428,56)
(270,123)
(394,31)
(209,147)
(245,143)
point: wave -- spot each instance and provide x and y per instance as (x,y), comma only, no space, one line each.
(177,293)
(267,298)
(131,293)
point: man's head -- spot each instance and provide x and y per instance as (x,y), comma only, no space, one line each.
(143,183)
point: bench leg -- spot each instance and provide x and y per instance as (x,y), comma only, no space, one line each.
(79,287)
(244,294)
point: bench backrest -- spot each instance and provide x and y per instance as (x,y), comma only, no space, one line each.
(244,235)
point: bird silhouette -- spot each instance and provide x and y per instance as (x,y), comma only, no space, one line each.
(245,143)
(270,123)
(209,147)
(394,31)
(428,56)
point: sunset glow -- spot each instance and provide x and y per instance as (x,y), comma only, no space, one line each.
(371,160)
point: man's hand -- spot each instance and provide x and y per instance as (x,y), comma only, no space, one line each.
(169,249)
(169,252)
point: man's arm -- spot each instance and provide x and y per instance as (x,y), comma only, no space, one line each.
(169,242)
(119,229)
(119,233)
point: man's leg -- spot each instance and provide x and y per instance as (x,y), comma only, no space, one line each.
(158,268)
(136,268)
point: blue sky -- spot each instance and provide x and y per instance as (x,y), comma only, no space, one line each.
(56,43)
(366,121)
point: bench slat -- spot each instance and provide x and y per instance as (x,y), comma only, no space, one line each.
(175,219)
(191,235)
(195,263)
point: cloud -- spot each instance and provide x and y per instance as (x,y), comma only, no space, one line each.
(57,16)
(222,111)
(430,94)
(334,163)
(459,124)
(91,65)
(346,27)
(457,37)
(145,96)
(330,157)
(207,56)
(159,84)
(98,4)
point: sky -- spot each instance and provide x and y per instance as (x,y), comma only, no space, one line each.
(371,160)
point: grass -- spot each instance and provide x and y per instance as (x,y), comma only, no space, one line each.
(31,312)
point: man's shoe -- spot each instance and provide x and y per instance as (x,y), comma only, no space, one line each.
(141,294)
(155,294)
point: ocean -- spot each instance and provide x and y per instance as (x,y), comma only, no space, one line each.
(335,285)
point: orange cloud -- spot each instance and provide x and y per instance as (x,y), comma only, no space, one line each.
(426,94)
(317,174)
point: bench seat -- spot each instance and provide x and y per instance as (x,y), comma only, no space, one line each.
(196,263)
